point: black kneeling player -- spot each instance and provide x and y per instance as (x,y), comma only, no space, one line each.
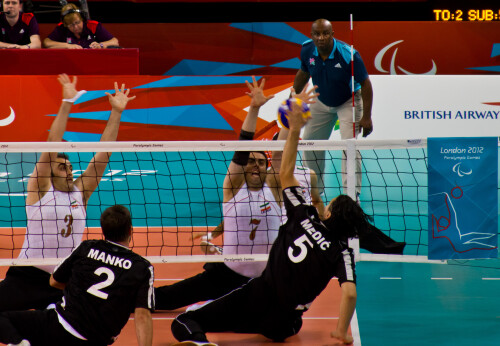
(103,282)
(306,255)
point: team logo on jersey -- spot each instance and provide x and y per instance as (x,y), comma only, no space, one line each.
(68,40)
(264,208)
(74,204)
(312,61)
(3,31)
(88,37)
(22,31)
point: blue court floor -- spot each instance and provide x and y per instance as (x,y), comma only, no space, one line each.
(429,304)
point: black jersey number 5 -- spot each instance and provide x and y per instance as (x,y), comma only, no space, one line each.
(96,289)
(300,242)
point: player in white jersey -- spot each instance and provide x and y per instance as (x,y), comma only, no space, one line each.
(252,219)
(251,223)
(308,181)
(56,206)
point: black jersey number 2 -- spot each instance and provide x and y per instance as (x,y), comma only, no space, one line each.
(300,242)
(96,289)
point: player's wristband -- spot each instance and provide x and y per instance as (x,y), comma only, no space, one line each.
(246,136)
(77,96)
(241,157)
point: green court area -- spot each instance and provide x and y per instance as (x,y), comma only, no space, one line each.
(456,304)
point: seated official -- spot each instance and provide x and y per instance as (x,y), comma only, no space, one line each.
(18,29)
(76,32)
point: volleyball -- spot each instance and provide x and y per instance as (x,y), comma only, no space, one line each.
(286,106)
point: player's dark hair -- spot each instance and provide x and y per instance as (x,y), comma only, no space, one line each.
(116,223)
(62,156)
(347,217)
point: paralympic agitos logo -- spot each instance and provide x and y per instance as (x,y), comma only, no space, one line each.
(9,119)
(392,67)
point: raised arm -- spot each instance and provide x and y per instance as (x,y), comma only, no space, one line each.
(143,326)
(40,180)
(235,177)
(307,96)
(296,122)
(89,180)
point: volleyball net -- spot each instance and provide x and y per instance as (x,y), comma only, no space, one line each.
(174,192)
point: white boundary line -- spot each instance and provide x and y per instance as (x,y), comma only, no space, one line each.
(355,329)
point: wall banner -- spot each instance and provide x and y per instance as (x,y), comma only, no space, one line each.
(463,197)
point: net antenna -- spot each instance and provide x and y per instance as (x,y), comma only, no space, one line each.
(352,78)
(350,166)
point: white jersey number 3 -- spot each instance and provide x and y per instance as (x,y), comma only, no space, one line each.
(96,289)
(300,242)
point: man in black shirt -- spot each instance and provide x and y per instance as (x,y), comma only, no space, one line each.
(306,255)
(103,282)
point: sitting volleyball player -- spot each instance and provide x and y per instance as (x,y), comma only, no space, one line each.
(373,239)
(251,222)
(56,207)
(103,281)
(306,255)
(306,177)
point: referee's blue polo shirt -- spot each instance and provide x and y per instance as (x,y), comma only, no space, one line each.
(333,76)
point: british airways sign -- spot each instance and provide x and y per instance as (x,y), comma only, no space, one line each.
(418,106)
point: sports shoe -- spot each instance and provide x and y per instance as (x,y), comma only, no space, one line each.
(194,343)
(22,343)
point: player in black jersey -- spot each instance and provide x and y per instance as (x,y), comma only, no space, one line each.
(306,255)
(103,282)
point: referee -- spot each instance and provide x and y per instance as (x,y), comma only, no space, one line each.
(306,255)
(103,282)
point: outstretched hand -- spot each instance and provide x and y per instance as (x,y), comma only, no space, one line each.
(308,97)
(256,92)
(68,85)
(119,101)
(295,118)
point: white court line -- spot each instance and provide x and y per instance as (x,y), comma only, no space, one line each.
(355,330)
(441,278)
(156,279)
(390,278)
(490,278)
(304,318)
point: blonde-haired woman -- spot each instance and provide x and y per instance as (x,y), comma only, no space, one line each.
(76,32)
